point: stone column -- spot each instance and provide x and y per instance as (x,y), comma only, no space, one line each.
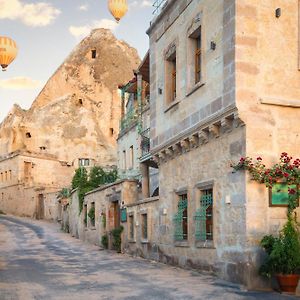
(145,180)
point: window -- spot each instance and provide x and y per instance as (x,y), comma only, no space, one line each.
(144,227)
(84,162)
(6,176)
(181,219)
(27,170)
(9,175)
(198,58)
(85,215)
(94,53)
(124,160)
(131,227)
(173,95)
(28,135)
(91,214)
(111,131)
(204,216)
(171,75)
(131,157)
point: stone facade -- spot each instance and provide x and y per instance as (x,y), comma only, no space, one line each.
(73,122)
(206,216)
(237,108)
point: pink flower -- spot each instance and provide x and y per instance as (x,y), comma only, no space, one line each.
(286,174)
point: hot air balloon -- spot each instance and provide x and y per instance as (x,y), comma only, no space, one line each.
(8,51)
(118,8)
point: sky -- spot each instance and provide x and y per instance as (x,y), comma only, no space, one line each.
(46,31)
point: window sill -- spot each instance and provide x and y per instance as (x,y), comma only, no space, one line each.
(205,244)
(132,241)
(171,105)
(92,228)
(195,88)
(181,244)
(144,242)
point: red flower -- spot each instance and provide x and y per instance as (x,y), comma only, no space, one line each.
(259,158)
(286,174)
(292,191)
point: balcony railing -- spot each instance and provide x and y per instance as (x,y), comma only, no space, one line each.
(158,6)
(129,119)
(145,142)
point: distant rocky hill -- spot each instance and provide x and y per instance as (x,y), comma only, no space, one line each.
(77,112)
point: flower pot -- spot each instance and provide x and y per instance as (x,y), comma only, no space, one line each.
(288,283)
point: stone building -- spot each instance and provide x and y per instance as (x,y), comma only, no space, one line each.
(224,83)
(73,122)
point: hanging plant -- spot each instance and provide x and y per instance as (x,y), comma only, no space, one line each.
(286,170)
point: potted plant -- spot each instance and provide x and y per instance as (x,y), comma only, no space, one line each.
(283,256)
(283,251)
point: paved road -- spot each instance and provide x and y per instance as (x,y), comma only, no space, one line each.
(37,261)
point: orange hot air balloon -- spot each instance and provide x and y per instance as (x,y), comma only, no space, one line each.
(8,51)
(118,8)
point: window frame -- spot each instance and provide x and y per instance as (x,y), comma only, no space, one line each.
(181,219)
(202,189)
(193,52)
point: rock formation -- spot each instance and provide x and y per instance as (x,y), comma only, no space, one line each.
(77,113)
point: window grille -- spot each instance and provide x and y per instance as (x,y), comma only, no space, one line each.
(181,219)
(204,217)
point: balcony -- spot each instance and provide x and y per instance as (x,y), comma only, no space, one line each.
(129,119)
(145,144)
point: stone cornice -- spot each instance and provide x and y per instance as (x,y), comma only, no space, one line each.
(198,135)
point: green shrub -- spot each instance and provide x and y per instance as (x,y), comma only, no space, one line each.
(117,241)
(283,251)
(85,183)
(104,241)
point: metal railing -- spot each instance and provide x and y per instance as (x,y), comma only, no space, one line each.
(158,6)
(145,142)
(129,119)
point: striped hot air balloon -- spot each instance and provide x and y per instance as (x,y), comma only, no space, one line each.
(8,51)
(118,8)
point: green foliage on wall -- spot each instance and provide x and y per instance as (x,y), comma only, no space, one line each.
(85,182)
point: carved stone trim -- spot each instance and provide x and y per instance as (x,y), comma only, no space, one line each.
(226,123)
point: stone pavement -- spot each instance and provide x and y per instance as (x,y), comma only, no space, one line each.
(37,261)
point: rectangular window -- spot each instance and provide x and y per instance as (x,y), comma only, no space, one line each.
(198,58)
(181,219)
(144,227)
(85,215)
(92,214)
(171,78)
(84,162)
(204,216)
(6,176)
(124,160)
(173,94)
(131,227)
(131,157)
(94,53)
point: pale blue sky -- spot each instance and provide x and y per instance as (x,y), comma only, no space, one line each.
(46,33)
